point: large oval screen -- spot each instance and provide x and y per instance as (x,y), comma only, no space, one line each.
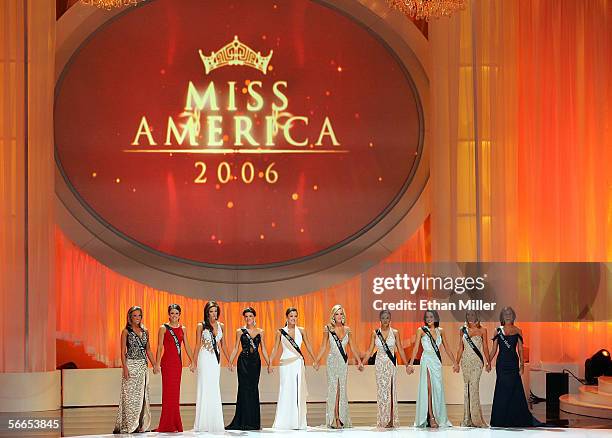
(236,133)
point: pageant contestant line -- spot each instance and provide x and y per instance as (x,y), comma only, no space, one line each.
(509,404)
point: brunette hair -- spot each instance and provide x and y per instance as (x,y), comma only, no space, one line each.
(383,312)
(435,315)
(249,310)
(174,307)
(207,307)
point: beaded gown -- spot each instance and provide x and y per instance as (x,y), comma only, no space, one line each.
(471,367)
(386,387)
(337,371)
(134,413)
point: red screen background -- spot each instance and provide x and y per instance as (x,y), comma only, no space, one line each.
(141,64)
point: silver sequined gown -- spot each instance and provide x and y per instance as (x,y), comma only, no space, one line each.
(337,371)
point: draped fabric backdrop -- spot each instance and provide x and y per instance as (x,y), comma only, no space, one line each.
(92,303)
(27,326)
(522,144)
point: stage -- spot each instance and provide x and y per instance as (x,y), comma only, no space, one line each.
(88,422)
(353,168)
(368,432)
(365,432)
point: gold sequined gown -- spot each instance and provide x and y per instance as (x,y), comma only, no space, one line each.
(386,386)
(337,371)
(472,366)
(134,413)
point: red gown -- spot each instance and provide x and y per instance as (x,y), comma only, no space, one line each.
(171,369)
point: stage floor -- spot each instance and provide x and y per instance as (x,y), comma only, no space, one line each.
(99,422)
(368,432)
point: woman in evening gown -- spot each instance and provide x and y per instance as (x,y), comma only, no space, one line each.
(431,403)
(250,340)
(291,406)
(209,344)
(134,413)
(337,336)
(472,335)
(509,403)
(172,338)
(387,341)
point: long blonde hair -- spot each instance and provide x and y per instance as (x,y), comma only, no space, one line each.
(333,312)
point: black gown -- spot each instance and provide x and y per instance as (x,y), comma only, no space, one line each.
(247,415)
(509,403)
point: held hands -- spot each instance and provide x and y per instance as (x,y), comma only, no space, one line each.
(455,368)
(488,367)
(360,365)
(409,369)
(270,369)
(156,369)
(231,367)
(192,367)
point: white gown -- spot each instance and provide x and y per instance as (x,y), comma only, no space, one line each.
(209,411)
(291,406)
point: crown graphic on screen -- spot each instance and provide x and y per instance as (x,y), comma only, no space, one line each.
(236,53)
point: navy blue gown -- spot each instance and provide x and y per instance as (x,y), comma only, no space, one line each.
(509,403)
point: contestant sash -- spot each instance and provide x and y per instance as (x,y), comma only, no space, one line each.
(339,344)
(214,344)
(500,335)
(469,340)
(433,342)
(383,341)
(142,347)
(176,341)
(246,332)
(292,341)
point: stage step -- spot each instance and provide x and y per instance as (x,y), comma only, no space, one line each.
(605,384)
(573,404)
(593,394)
